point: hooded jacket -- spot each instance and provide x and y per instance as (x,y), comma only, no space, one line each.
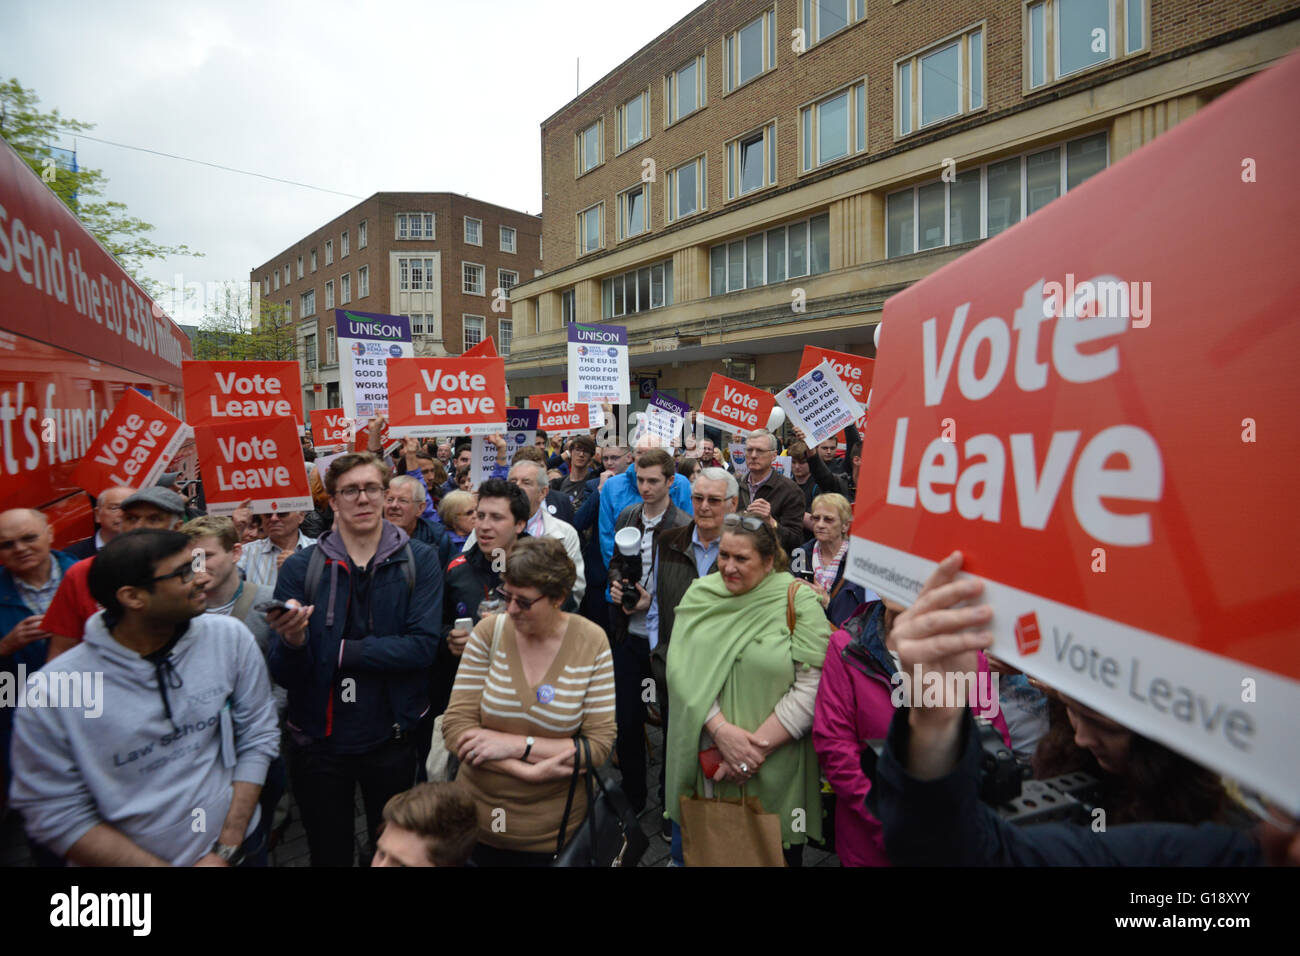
(388,659)
(158,743)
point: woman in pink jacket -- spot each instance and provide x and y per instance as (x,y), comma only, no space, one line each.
(853,706)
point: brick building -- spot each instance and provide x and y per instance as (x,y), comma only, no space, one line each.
(763,175)
(437,258)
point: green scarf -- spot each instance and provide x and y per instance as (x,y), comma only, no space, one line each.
(737,650)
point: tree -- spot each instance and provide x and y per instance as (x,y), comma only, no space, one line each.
(30,132)
(228,330)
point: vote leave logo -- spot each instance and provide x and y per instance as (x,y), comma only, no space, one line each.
(1028,637)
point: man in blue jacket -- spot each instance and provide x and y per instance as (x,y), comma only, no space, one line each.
(356,659)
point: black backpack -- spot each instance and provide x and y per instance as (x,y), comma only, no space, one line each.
(316,566)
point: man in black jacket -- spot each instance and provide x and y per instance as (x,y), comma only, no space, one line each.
(474,575)
(770,496)
(354,656)
(108,519)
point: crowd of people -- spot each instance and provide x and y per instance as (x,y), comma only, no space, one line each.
(446,645)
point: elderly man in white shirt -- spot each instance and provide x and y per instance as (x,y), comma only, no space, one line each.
(262,558)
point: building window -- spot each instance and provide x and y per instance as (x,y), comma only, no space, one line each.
(941,82)
(787,252)
(344,248)
(329,251)
(507,242)
(329,294)
(567,306)
(345,289)
(687,189)
(473,231)
(751,162)
(266,285)
(471,278)
(288,310)
(331,348)
(309,351)
(287,280)
(685,90)
(507,279)
(308,304)
(473,331)
(412,225)
(277,280)
(361,234)
(505,334)
(984,201)
(363,282)
(834,127)
(634,211)
(415,275)
(591,147)
(640,290)
(421,323)
(313,260)
(300,267)
(1069,36)
(751,50)
(825,18)
(590,229)
(634,120)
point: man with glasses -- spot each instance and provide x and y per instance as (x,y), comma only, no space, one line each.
(402,506)
(185,729)
(354,651)
(614,459)
(30,575)
(769,496)
(262,559)
(108,519)
(473,576)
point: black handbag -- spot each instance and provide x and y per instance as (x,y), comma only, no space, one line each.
(612,836)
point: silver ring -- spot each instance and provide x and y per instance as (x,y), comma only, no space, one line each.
(744,768)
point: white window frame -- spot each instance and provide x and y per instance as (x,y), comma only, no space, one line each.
(345,288)
(1118,12)
(464,330)
(599,210)
(329,252)
(363,282)
(310,354)
(859,124)
(671,81)
(907,115)
(482,278)
(621,117)
(288,310)
(665,269)
(477,222)
(621,229)
(743,285)
(428,226)
(345,245)
(701,189)
(731,51)
(277,280)
(287,278)
(300,272)
(362,233)
(314,260)
(733,155)
(501,282)
(568,307)
(514,239)
(505,335)
(331,346)
(1063,182)
(329,294)
(809,15)
(404,272)
(307,301)
(580,167)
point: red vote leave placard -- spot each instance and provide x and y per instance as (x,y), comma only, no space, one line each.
(220,392)
(734,406)
(558,416)
(437,396)
(485,349)
(1100,409)
(331,429)
(854,370)
(258,460)
(133,447)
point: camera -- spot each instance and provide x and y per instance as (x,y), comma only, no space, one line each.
(628,543)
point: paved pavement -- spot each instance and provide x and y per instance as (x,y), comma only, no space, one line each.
(292,850)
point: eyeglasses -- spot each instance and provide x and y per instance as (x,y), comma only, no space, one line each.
(748,522)
(404,502)
(185,572)
(351,492)
(506,597)
(27,539)
(759,451)
(712,502)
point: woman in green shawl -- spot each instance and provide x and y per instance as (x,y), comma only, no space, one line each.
(740,680)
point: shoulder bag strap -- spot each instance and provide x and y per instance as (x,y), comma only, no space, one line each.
(245,602)
(591,796)
(568,803)
(790,617)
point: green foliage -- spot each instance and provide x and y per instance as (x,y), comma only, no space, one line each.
(31,132)
(227,330)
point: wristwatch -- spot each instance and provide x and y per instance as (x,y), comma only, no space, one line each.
(233,855)
(528,747)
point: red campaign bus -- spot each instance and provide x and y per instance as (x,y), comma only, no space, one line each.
(76,331)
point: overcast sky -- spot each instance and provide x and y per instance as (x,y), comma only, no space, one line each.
(358,98)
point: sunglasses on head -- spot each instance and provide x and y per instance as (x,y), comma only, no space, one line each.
(748,522)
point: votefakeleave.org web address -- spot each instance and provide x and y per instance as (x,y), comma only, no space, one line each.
(867,566)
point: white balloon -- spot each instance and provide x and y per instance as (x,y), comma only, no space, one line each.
(877,336)
(776,419)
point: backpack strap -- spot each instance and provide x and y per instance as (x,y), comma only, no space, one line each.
(410,568)
(244,603)
(315,567)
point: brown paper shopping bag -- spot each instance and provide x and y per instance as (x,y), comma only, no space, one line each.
(729,833)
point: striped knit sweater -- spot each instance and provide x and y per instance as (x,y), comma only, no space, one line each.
(575,695)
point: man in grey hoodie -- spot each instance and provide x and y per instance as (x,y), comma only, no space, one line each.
(155,748)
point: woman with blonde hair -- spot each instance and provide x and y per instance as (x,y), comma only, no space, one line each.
(821,560)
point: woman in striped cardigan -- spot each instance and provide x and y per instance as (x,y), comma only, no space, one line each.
(529,681)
